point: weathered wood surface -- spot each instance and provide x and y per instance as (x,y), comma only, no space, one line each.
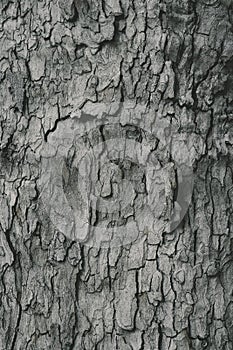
(167,291)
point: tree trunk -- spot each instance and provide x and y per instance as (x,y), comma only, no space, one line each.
(79,74)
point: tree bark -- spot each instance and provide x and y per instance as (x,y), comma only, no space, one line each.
(61,62)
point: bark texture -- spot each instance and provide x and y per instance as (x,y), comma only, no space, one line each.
(166,292)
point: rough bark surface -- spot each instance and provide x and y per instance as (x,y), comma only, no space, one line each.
(166,292)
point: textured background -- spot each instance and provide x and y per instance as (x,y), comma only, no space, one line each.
(166,292)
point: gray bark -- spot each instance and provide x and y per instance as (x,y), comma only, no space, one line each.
(167,290)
